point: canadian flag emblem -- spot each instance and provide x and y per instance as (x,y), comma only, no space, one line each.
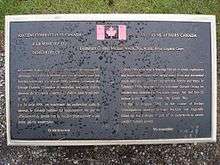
(111,32)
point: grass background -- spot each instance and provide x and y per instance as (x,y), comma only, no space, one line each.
(9,7)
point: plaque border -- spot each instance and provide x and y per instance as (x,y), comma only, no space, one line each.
(112,17)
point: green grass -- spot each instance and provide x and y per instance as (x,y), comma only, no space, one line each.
(8,7)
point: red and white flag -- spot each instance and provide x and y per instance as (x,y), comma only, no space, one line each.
(111,32)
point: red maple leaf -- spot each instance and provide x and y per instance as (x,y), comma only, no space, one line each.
(111,32)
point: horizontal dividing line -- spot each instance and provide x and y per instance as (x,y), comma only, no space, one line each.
(64,112)
(60,106)
(38,70)
(43,81)
(31,76)
(166,76)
